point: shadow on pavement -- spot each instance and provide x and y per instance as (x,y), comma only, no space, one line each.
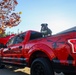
(12,71)
(15,71)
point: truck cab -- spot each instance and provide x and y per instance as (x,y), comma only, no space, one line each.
(15,52)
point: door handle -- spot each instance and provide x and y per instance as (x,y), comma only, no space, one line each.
(9,48)
(20,47)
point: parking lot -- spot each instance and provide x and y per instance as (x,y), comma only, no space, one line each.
(11,71)
(24,71)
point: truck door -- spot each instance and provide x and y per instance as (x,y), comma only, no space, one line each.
(14,52)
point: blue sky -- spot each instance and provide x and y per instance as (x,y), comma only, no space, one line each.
(59,14)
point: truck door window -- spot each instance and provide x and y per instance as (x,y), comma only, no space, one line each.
(10,42)
(19,38)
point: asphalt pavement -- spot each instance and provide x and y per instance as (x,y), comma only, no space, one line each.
(12,71)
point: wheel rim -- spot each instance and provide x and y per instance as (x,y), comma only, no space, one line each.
(38,69)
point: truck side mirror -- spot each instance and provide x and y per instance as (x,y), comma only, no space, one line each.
(4,46)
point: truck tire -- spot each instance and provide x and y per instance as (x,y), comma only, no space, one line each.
(41,66)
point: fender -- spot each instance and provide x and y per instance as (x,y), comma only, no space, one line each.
(44,48)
